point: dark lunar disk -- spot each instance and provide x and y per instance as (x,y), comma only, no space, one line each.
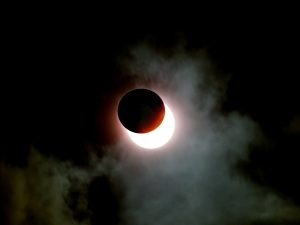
(141,110)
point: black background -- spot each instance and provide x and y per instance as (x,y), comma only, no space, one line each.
(60,79)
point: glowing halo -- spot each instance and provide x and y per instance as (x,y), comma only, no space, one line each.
(158,137)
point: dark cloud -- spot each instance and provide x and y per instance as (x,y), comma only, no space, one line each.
(294,126)
(50,191)
(192,180)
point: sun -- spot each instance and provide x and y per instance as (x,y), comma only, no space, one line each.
(158,137)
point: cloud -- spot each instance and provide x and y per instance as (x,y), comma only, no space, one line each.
(192,180)
(41,193)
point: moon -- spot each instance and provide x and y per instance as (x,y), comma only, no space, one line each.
(159,136)
(141,110)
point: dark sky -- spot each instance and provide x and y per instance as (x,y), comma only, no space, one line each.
(60,83)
